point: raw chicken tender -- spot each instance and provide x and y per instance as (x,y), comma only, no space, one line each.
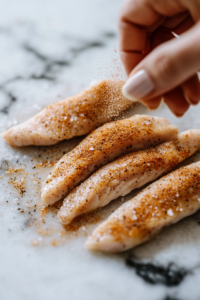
(127,173)
(161,204)
(102,146)
(75,116)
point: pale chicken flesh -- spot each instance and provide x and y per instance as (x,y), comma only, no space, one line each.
(75,116)
(161,204)
(127,173)
(101,147)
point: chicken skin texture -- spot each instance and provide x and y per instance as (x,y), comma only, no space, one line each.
(165,202)
(127,173)
(102,146)
(75,116)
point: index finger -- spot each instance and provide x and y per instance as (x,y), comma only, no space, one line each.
(135,17)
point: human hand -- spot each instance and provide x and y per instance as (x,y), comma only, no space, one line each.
(159,65)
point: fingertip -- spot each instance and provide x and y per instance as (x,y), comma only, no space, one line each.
(190,101)
(176,102)
(191,90)
(153,103)
(174,111)
(177,114)
(130,60)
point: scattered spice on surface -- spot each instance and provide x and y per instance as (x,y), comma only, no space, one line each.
(10,171)
(18,184)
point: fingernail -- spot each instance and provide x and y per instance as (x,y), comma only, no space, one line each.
(138,86)
(191,102)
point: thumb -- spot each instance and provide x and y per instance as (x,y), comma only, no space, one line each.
(165,68)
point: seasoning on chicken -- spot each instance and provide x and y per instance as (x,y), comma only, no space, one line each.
(165,202)
(102,146)
(75,116)
(127,173)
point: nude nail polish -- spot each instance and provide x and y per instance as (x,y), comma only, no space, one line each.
(138,86)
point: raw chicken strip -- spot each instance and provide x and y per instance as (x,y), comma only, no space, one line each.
(75,116)
(102,146)
(161,204)
(127,173)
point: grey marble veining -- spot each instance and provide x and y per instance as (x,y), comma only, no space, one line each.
(52,49)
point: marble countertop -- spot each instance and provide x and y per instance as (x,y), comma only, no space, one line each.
(52,49)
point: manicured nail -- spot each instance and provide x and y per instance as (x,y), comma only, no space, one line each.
(138,86)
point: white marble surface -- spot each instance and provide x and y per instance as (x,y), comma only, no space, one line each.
(51,49)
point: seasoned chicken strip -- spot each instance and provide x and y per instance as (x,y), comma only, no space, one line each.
(75,116)
(102,146)
(163,203)
(127,173)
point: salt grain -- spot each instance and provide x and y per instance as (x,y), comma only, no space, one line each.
(170,212)
(134,217)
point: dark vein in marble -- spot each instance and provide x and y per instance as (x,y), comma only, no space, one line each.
(170,275)
(86,47)
(45,58)
(11,99)
(43,76)
(10,96)
(35,52)
(50,63)
(109,34)
(49,71)
(170,298)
